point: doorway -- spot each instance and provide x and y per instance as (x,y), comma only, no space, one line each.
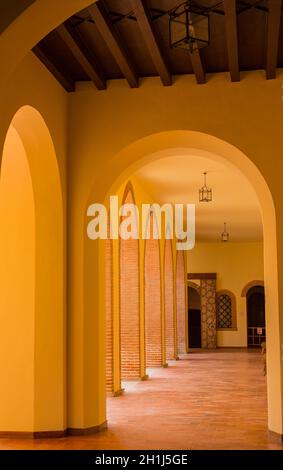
(256,316)
(194,318)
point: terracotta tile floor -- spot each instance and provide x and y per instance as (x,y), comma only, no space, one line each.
(207,400)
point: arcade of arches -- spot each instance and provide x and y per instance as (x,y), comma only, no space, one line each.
(85,323)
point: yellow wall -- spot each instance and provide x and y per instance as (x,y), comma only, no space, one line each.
(17,279)
(30,27)
(113,132)
(236,264)
(101,126)
(46,156)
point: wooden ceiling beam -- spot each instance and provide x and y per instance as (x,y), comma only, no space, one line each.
(66,82)
(151,41)
(273,28)
(105,27)
(72,39)
(198,67)
(232,38)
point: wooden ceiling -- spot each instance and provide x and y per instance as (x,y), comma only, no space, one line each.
(10,9)
(114,39)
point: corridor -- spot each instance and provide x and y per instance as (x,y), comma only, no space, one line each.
(207,400)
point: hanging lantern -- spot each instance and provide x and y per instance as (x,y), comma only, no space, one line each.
(225,235)
(205,193)
(189,26)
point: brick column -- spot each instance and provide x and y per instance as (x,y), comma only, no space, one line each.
(169,301)
(181,302)
(153,335)
(129,305)
(109,316)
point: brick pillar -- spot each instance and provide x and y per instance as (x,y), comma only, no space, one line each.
(181,302)
(153,335)
(129,305)
(169,301)
(208,313)
(109,316)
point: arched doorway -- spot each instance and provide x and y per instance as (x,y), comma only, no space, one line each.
(164,144)
(256,331)
(109,313)
(32,281)
(194,317)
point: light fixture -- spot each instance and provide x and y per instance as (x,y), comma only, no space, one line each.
(205,193)
(189,26)
(225,235)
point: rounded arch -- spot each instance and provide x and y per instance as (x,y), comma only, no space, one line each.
(249,285)
(194,286)
(173,142)
(47,318)
(184,142)
(129,299)
(233,309)
(152,296)
(169,300)
(18,39)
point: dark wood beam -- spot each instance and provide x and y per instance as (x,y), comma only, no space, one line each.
(232,38)
(66,82)
(72,39)
(198,67)
(113,42)
(192,276)
(151,41)
(273,27)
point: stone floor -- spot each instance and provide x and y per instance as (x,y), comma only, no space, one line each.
(207,400)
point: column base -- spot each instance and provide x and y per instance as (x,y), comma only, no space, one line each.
(33,435)
(118,393)
(275,437)
(87,431)
(53,434)
(165,365)
(144,377)
(50,434)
